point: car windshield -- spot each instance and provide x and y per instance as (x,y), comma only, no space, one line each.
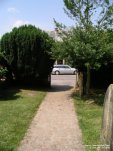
(66,67)
(61,66)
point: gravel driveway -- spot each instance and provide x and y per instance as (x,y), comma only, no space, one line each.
(55,126)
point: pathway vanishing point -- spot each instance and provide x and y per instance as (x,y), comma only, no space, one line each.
(55,126)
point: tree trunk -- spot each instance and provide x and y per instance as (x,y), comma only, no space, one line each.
(76,81)
(81,84)
(88,80)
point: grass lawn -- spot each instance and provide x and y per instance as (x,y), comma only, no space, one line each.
(17,108)
(89,111)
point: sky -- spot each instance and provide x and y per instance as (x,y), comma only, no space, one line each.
(14,13)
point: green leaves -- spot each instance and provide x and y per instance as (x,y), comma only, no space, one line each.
(3,71)
(27,48)
(89,12)
(88,41)
(82,46)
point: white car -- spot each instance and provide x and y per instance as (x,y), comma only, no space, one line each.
(63,69)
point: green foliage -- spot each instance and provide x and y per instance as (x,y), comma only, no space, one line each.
(58,50)
(27,50)
(87,45)
(3,66)
(3,72)
(88,42)
(84,12)
(83,47)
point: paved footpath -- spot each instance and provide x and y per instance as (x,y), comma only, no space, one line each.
(55,126)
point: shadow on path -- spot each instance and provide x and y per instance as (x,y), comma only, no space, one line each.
(59,88)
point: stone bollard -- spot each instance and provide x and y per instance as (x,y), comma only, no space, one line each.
(107,121)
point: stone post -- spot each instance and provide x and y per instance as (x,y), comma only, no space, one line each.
(107,121)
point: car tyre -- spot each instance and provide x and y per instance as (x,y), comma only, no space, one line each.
(57,72)
(74,73)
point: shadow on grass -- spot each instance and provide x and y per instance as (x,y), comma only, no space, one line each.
(95,96)
(33,88)
(52,88)
(9,94)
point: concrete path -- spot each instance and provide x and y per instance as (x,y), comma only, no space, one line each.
(55,126)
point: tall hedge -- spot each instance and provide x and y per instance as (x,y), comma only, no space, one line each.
(27,50)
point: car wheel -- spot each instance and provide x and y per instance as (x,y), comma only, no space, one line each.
(57,72)
(74,73)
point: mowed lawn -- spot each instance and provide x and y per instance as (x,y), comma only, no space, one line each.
(89,111)
(17,108)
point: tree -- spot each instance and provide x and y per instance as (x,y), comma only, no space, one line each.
(27,50)
(84,12)
(86,45)
(3,68)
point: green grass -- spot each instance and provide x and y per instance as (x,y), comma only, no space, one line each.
(89,111)
(17,108)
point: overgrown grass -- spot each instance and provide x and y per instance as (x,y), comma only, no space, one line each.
(89,111)
(17,108)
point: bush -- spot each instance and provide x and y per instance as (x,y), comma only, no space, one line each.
(27,50)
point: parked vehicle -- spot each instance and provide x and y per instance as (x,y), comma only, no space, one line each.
(63,69)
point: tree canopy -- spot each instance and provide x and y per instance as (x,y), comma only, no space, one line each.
(27,50)
(88,12)
(80,48)
(87,45)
